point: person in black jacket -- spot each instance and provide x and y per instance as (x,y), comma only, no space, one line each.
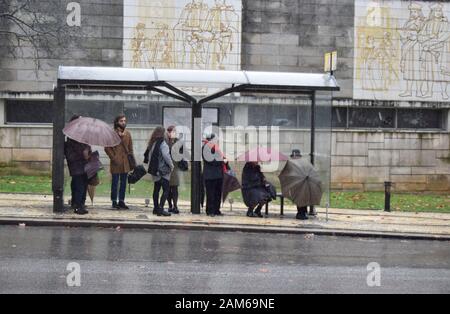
(77,155)
(254,189)
(214,164)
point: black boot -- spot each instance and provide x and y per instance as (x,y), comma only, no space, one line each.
(81,210)
(115,205)
(250,213)
(301,215)
(174,211)
(258,212)
(123,206)
(162,213)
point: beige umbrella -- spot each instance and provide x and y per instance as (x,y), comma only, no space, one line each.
(93,183)
(300,183)
(91,192)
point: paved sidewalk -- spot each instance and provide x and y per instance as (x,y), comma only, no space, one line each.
(37,210)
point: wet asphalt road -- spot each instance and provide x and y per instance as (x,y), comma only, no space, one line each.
(34,260)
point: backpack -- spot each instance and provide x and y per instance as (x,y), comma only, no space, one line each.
(153,168)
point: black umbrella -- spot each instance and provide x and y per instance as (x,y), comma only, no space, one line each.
(300,183)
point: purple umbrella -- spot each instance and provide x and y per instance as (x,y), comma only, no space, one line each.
(93,132)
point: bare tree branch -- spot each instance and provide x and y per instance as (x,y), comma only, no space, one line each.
(37,24)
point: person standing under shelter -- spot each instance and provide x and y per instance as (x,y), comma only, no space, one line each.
(175,176)
(120,163)
(214,167)
(77,155)
(161,166)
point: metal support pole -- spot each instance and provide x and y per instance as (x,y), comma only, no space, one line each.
(313,127)
(387,196)
(59,109)
(313,135)
(196,180)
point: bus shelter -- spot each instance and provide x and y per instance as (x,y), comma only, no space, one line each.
(175,84)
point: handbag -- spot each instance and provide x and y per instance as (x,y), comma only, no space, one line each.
(93,166)
(138,173)
(131,159)
(183,165)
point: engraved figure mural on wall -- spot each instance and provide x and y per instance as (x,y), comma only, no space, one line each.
(402,50)
(183,34)
(410,62)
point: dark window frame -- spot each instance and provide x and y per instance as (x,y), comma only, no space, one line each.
(396,119)
(9,102)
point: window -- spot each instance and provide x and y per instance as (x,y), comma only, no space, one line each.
(182,116)
(143,114)
(284,116)
(29,111)
(419,119)
(258,115)
(372,118)
(102,110)
(280,116)
(339,119)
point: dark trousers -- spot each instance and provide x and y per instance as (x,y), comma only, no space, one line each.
(173,197)
(213,196)
(119,182)
(165,186)
(79,187)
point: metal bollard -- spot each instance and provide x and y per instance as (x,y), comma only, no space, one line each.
(387,196)
(231,201)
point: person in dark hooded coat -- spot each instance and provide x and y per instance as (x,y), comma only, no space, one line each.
(254,189)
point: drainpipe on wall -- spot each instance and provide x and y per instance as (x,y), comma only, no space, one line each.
(2,112)
(448,121)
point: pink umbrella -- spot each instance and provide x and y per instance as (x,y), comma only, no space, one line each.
(92,131)
(263,154)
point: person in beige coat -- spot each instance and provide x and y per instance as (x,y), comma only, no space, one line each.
(119,165)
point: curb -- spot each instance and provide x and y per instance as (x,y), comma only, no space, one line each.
(89,223)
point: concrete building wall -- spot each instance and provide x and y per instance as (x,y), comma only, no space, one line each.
(286,35)
(415,162)
(97,42)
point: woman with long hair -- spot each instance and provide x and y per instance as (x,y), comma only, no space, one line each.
(161,166)
(175,176)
